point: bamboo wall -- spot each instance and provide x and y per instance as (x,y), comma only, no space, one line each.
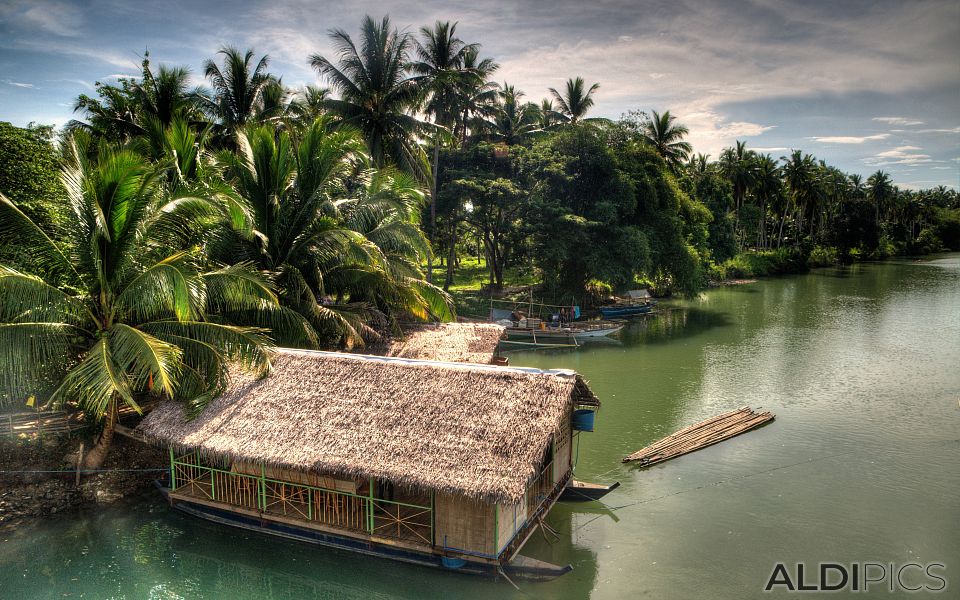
(463,523)
(563,448)
(510,518)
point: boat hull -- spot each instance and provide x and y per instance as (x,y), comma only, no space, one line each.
(561,335)
(521,567)
(580,491)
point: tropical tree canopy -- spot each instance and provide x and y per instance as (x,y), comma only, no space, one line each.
(666,136)
(377,92)
(119,310)
(576,98)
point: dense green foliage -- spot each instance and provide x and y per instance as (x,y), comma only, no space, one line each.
(535,186)
(29,177)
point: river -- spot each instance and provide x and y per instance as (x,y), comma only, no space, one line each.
(860,364)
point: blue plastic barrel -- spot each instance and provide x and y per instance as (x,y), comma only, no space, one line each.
(583,419)
(451,562)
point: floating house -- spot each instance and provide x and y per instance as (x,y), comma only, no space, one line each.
(437,463)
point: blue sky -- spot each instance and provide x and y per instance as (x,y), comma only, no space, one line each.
(862,85)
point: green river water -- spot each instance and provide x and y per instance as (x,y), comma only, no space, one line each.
(861,366)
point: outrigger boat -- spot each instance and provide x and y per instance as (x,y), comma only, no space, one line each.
(569,334)
(441,464)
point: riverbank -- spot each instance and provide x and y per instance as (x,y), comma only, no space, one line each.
(38,480)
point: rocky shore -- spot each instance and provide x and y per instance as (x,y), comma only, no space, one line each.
(26,494)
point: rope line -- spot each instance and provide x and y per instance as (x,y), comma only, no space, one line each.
(71,471)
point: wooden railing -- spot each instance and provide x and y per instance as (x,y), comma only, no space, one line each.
(342,510)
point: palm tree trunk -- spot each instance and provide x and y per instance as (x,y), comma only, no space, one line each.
(433,203)
(451,259)
(94,459)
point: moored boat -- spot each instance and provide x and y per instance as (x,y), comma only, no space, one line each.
(571,334)
(582,491)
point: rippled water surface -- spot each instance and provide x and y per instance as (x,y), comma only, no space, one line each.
(860,364)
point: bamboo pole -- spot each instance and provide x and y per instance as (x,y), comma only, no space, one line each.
(701,435)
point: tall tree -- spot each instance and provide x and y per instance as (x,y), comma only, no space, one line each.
(880,191)
(327,268)
(512,120)
(801,176)
(377,93)
(576,99)
(666,136)
(440,72)
(121,312)
(767,187)
(477,95)
(238,87)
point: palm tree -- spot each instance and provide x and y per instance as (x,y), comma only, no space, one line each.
(441,74)
(512,121)
(575,101)
(801,176)
(477,95)
(297,194)
(119,314)
(386,211)
(739,166)
(308,105)
(857,189)
(138,107)
(767,187)
(548,116)
(666,137)
(238,88)
(377,95)
(166,95)
(881,191)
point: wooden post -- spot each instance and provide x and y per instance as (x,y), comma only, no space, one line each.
(263,488)
(76,482)
(370,521)
(173,471)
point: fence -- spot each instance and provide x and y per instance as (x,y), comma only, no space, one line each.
(342,510)
(30,423)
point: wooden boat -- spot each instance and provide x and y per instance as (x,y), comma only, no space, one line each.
(564,334)
(256,457)
(582,491)
(624,310)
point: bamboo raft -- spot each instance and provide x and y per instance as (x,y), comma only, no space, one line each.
(700,435)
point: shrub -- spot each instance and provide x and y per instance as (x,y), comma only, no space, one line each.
(823,256)
(596,292)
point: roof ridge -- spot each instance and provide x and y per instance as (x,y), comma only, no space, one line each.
(431,363)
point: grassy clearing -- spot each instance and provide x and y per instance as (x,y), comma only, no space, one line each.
(468,280)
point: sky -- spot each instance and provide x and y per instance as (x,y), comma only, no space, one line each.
(861,85)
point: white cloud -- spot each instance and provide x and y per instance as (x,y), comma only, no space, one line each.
(849,139)
(901,155)
(58,18)
(17,83)
(898,121)
(953,130)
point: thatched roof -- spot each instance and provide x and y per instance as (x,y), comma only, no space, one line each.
(478,430)
(449,342)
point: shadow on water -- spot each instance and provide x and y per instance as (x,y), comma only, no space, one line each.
(672,324)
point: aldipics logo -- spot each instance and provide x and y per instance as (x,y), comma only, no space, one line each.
(859,577)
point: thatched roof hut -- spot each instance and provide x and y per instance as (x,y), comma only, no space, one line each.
(475,430)
(448,342)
